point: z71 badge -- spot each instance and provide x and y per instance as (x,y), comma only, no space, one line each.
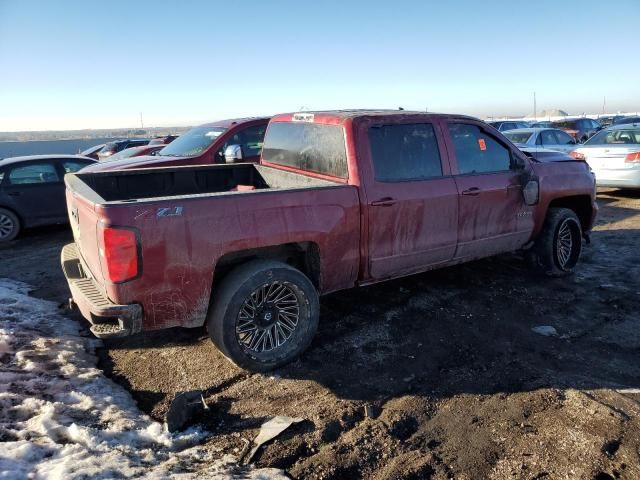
(169,212)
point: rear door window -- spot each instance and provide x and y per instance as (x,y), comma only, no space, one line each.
(477,151)
(518,137)
(250,140)
(34,173)
(404,152)
(314,147)
(564,138)
(548,138)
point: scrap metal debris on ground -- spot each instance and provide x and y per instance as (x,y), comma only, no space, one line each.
(270,430)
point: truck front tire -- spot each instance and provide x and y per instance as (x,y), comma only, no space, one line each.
(264,314)
(557,249)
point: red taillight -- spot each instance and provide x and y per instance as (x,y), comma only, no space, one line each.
(632,157)
(119,254)
(577,155)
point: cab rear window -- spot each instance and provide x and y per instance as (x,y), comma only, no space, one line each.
(312,147)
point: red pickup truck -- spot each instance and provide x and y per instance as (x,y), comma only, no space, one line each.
(340,199)
(203,145)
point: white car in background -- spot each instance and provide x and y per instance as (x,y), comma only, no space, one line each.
(614,156)
(549,138)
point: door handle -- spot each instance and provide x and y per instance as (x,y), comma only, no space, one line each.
(471,191)
(514,186)
(13,194)
(383,202)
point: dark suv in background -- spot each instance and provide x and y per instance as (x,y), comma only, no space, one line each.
(579,128)
(608,120)
(627,120)
(114,147)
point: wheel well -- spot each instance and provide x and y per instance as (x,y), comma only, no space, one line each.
(580,204)
(305,256)
(15,213)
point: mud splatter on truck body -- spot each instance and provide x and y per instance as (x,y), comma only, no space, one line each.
(334,197)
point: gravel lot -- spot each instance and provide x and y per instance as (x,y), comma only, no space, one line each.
(459,383)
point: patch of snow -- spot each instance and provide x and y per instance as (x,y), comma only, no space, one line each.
(60,417)
(546,330)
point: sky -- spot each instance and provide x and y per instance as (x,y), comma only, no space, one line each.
(81,64)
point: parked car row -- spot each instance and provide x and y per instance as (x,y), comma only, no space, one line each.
(581,129)
(131,152)
(107,150)
(36,197)
(613,154)
(226,141)
(551,138)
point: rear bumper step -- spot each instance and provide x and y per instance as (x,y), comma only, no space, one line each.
(108,319)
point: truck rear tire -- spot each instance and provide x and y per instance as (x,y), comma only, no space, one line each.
(264,314)
(9,225)
(557,249)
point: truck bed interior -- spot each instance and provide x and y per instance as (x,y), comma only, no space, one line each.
(127,185)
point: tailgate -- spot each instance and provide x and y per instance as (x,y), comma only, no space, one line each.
(84,219)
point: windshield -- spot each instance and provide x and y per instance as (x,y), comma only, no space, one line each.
(629,136)
(193,142)
(518,137)
(94,149)
(126,153)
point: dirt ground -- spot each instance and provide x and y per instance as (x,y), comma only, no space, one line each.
(459,383)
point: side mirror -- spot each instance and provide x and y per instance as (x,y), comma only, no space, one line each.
(233,153)
(531,192)
(518,163)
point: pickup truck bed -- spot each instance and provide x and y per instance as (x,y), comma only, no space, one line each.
(137,185)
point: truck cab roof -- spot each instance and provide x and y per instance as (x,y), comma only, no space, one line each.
(339,116)
(228,123)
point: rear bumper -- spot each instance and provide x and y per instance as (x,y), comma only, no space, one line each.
(623,178)
(108,319)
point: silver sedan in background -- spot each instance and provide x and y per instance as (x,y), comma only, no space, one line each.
(550,138)
(614,156)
